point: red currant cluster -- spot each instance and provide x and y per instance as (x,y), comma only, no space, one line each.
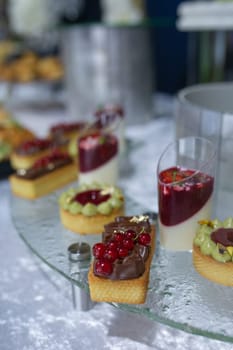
(120,246)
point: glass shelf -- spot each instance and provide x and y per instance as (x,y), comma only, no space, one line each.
(177,295)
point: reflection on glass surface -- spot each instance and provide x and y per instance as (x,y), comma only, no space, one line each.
(177,295)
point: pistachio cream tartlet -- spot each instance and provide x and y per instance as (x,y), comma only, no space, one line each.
(86,209)
(213,250)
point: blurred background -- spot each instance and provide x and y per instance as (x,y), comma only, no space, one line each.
(91,52)
(150,43)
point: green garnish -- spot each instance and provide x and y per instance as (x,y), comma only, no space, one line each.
(174,173)
(102,140)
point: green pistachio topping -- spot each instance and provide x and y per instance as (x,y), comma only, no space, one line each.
(90,209)
(220,256)
(115,202)
(75,208)
(104,208)
(5,150)
(207,246)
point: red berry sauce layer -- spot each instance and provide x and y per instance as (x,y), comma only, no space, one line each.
(182,193)
(124,249)
(91,196)
(46,164)
(95,150)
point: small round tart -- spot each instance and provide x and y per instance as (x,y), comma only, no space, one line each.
(213,251)
(86,209)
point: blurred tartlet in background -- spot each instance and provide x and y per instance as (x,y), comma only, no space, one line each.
(30,66)
(11,131)
(12,134)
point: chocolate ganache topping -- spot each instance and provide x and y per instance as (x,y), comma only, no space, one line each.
(45,165)
(124,249)
(223,236)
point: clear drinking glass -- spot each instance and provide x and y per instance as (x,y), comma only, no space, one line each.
(185,173)
(206,110)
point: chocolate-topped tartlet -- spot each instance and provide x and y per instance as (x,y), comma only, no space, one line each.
(25,155)
(120,269)
(87,208)
(44,176)
(213,250)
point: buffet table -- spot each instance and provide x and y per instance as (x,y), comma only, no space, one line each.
(36,310)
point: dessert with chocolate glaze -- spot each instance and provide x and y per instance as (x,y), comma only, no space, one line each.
(213,250)
(87,208)
(25,155)
(98,158)
(121,265)
(46,175)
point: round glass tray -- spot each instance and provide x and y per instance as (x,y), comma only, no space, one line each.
(177,295)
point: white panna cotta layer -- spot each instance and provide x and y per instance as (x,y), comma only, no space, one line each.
(180,237)
(107,173)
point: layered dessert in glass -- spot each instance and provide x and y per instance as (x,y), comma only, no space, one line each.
(185,190)
(98,158)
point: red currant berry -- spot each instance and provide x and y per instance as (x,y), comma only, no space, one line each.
(123,252)
(98,250)
(103,267)
(128,243)
(112,245)
(130,234)
(118,237)
(144,239)
(111,254)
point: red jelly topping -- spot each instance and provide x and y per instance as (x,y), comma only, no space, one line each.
(67,127)
(182,193)
(34,145)
(95,150)
(91,196)
(223,236)
(51,158)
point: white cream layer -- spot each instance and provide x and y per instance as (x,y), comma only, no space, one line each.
(107,173)
(180,237)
